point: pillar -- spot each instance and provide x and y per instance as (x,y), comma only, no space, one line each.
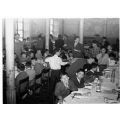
(47,33)
(81,30)
(119,51)
(9,42)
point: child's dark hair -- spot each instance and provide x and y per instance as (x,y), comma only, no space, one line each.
(28,64)
(94,65)
(112,55)
(21,66)
(63,73)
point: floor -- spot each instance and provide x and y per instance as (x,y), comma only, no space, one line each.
(41,96)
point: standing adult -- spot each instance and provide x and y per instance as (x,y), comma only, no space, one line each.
(78,49)
(55,63)
(95,49)
(18,46)
(51,44)
(59,43)
(40,43)
(104,43)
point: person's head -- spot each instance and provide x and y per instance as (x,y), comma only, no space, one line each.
(112,56)
(47,51)
(57,52)
(64,78)
(39,37)
(65,37)
(70,54)
(80,74)
(90,60)
(17,36)
(109,47)
(24,40)
(38,51)
(31,55)
(103,50)
(104,39)
(20,67)
(94,66)
(60,36)
(77,39)
(51,37)
(28,39)
(28,64)
(94,44)
(23,55)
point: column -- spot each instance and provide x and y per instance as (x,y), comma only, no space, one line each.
(47,33)
(9,42)
(119,51)
(81,30)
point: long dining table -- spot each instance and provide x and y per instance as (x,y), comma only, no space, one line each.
(88,94)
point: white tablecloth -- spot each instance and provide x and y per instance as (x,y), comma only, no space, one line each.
(94,97)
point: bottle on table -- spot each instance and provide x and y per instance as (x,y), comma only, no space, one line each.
(98,86)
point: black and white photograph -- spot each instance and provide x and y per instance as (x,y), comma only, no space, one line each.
(60,61)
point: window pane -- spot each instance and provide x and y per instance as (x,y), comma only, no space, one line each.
(20,26)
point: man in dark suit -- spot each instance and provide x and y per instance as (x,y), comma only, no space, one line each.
(78,49)
(59,43)
(40,45)
(78,79)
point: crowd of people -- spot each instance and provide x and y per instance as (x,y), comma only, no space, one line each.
(70,63)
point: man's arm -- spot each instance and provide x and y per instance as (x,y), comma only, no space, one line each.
(47,59)
(63,63)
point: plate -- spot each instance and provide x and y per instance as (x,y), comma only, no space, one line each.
(88,87)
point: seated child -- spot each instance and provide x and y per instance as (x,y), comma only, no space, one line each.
(87,66)
(112,60)
(92,73)
(21,74)
(31,72)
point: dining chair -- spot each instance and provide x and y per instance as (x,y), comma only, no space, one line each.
(22,90)
(38,82)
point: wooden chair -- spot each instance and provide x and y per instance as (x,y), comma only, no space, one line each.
(32,86)
(22,89)
(38,84)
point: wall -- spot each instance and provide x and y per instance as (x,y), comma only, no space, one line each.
(37,26)
(71,26)
(113,27)
(104,27)
(92,26)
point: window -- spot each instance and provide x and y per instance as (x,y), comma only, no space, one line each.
(54,27)
(20,30)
